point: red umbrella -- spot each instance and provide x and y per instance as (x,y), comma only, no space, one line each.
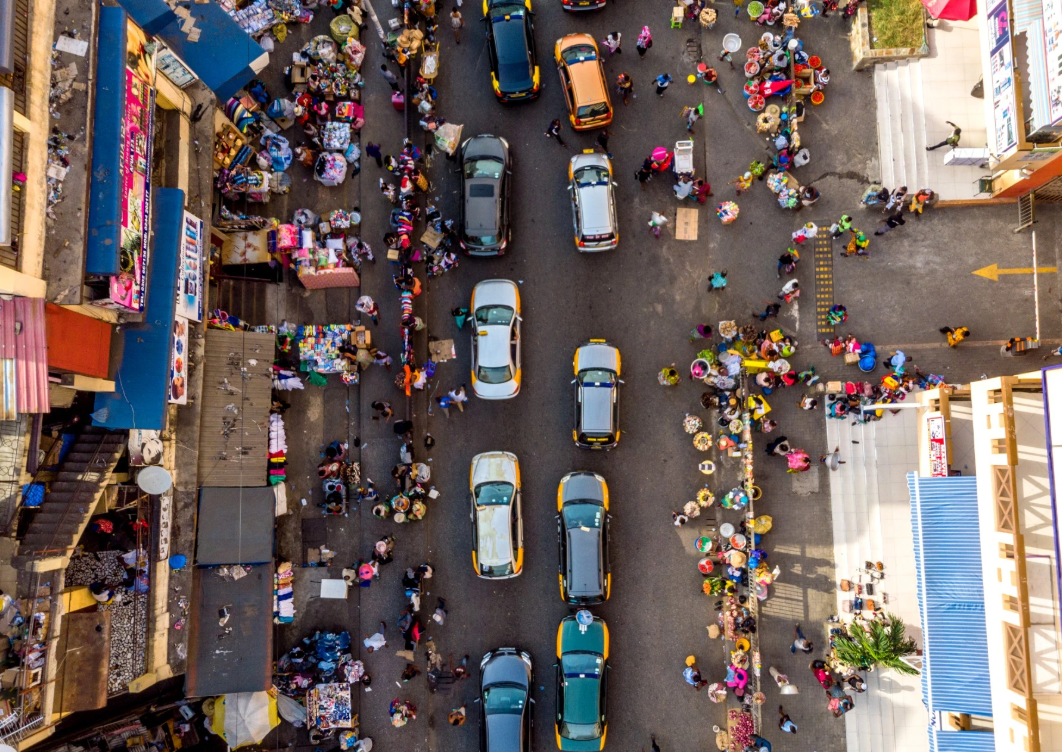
(951,10)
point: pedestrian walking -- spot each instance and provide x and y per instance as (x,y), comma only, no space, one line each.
(460,316)
(411,671)
(381,358)
(833,459)
(891,222)
(669,376)
(800,642)
(956,335)
(770,312)
(377,641)
(612,43)
(644,173)
(692,675)
(858,244)
(790,291)
(383,408)
(456,22)
(952,140)
(440,612)
(727,56)
(808,403)
(458,716)
(389,77)
(856,682)
(460,671)
(787,262)
(602,141)
(841,226)
(459,397)
(692,115)
(373,150)
(554,131)
(645,41)
(365,304)
(445,403)
(717,281)
(807,232)
(742,183)
(652,739)
(662,82)
(656,221)
(625,85)
(785,722)
(895,199)
(701,331)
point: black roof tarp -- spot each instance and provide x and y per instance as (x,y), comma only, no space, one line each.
(235,526)
(236,657)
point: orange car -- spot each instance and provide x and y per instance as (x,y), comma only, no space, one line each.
(583,81)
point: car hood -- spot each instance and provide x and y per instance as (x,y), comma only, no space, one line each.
(495,547)
(597,356)
(493,346)
(506,669)
(493,466)
(572,639)
(583,486)
(494,292)
(594,207)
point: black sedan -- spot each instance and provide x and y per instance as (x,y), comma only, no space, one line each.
(505,694)
(511,44)
(485,177)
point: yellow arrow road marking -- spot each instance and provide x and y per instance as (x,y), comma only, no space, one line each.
(992,271)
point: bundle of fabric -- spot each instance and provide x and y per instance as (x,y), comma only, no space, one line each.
(283,596)
(278,450)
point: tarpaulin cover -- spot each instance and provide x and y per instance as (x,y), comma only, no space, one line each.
(143,374)
(225,57)
(244,718)
(103,245)
(235,526)
(951,10)
(236,656)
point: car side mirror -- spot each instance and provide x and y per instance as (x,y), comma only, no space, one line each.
(615,184)
(622,381)
(573,381)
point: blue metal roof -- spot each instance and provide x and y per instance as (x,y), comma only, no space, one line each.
(105,188)
(224,52)
(143,374)
(961,741)
(950,595)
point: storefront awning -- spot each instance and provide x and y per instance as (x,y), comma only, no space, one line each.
(222,54)
(235,526)
(103,244)
(143,374)
(236,656)
(951,600)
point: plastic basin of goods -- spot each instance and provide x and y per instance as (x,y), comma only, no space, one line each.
(755,9)
(726,530)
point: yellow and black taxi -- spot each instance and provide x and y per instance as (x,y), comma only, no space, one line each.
(514,72)
(597,384)
(583,533)
(582,683)
(583,81)
(590,187)
(497,524)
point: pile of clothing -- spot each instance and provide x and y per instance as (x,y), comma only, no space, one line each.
(278,450)
(283,594)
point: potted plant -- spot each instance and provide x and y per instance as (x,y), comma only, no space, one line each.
(878,644)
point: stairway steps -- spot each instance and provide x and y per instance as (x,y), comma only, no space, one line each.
(884,126)
(892,91)
(921,173)
(907,127)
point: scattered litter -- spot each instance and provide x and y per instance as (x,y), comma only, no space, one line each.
(64,43)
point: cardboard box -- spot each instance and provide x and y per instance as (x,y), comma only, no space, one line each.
(851,359)
(834,387)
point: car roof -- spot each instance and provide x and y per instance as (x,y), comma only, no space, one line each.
(493,541)
(585,575)
(505,668)
(493,346)
(594,214)
(573,639)
(597,408)
(503,731)
(583,485)
(482,206)
(510,40)
(587,77)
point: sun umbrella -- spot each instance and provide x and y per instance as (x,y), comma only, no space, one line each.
(951,10)
(244,718)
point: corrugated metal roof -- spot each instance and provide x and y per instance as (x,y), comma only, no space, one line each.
(23,357)
(950,596)
(961,741)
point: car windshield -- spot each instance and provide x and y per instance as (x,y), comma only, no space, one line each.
(506,699)
(494,493)
(494,315)
(583,514)
(484,167)
(591,176)
(496,375)
(592,111)
(582,665)
(597,377)
(578,53)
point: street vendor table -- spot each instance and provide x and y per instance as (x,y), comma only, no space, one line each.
(328,707)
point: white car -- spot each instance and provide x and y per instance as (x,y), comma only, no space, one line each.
(497,525)
(495,339)
(593,203)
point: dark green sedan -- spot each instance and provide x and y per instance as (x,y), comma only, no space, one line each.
(582,683)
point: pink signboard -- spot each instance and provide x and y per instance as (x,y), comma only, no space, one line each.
(129,286)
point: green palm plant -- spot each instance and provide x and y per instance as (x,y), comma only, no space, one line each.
(881,644)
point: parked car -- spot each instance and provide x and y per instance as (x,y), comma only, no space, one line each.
(583,532)
(486,171)
(593,202)
(583,81)
(495,339)
(514,72)
(497,525)
(582,4)
(505,696)
(582,684)
(597,386)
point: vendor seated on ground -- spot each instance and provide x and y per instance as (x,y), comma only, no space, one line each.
(102,592)
(333,503)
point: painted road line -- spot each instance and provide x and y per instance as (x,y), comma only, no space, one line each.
(992,271)
(822,259)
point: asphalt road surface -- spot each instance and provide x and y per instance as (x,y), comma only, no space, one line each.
(644,298)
